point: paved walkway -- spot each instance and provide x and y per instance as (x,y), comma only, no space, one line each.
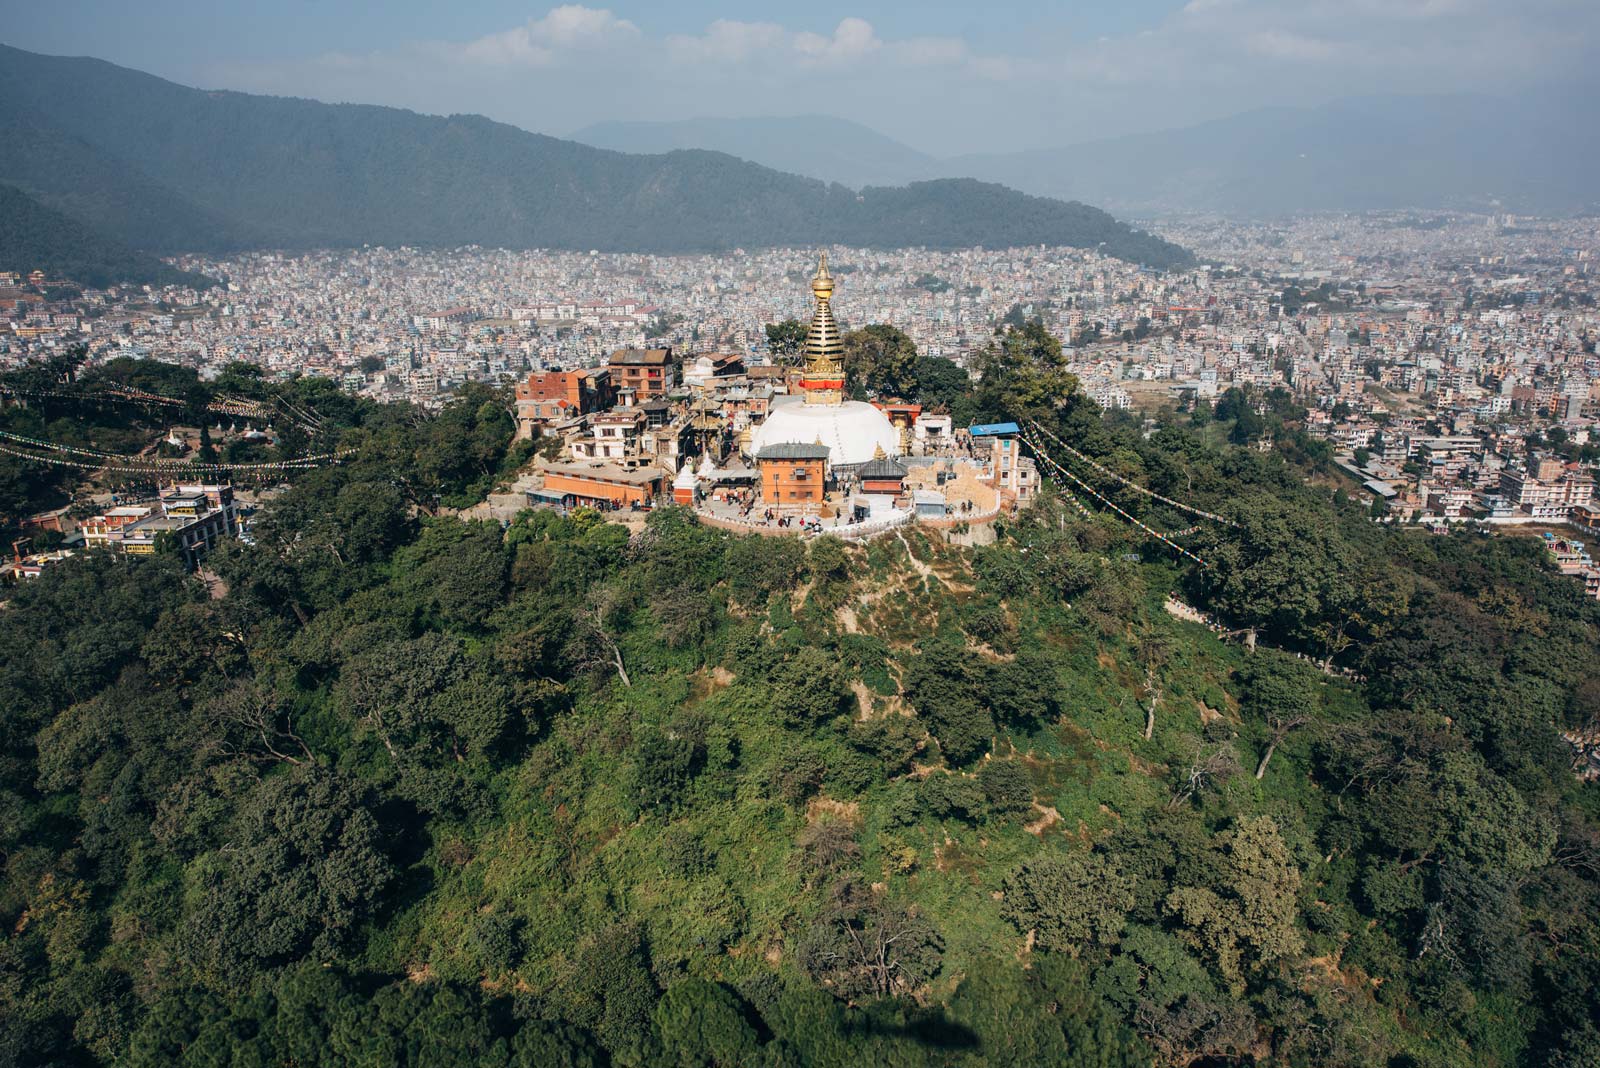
(503,507)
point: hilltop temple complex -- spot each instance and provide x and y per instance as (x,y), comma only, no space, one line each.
(764,446)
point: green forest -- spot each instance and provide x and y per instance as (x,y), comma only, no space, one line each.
(34,237)
(401,789)
(165,167)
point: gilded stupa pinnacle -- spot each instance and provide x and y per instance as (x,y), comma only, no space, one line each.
(822,281)
(823,381)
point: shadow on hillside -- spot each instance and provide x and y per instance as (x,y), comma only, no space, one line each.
(931,1028)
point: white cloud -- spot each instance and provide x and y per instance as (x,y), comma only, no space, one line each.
(1288,45)
(852,39)
(732,42)
(728,41)
(576,65)
(541,41)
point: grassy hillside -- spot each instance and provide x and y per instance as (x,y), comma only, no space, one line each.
(420,791)
(297,173)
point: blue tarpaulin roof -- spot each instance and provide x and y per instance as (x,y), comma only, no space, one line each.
(992,430)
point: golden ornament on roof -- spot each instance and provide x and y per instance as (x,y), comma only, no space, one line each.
(822,281)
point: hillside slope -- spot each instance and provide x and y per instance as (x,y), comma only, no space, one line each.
(34,237)
(816,146)
(408,790)
(109,195)
(297,173)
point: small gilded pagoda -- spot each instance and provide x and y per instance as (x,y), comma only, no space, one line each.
(853,432)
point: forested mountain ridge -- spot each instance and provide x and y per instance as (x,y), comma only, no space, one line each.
(416,791)
(289,173)
(34,237)
(1460,151)
(817,146)
(103,193)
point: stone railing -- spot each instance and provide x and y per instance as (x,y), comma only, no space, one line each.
(871,527)
(849,531)
(955,519)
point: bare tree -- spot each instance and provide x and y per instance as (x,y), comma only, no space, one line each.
(1191,1028)
(257,725)
(686,614)
(594,644)
(1154,650)
(1206,768)
(828,846)
(869,947)
(1280,730)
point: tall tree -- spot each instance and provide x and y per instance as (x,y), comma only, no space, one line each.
(1246,917)
(1282,692)
(881,360)
(1070,901)
(1023,375)
(785,339)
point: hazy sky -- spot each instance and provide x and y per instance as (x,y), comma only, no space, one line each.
(941,76)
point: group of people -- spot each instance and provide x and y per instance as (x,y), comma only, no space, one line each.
(809,524)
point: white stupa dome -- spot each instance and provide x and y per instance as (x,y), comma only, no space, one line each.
(853,431)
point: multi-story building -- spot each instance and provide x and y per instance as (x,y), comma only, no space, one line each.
(439,320)
(1008,470)
(613,435)
(553,396)
(792,475)
(650,373)
(1553,499)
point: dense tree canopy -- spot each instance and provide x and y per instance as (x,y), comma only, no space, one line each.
(409,789)
(881,361)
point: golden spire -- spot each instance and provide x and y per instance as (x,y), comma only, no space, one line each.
(822,281)
(823,381)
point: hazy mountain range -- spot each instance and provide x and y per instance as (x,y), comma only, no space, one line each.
(164,167)
(1532,154)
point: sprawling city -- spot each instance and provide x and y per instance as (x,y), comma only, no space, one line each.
(1449,363)
(697,592)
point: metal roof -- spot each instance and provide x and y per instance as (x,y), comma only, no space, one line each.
(793,450)
(990,430)
(884,468)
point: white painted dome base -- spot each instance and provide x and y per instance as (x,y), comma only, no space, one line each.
(853,431)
